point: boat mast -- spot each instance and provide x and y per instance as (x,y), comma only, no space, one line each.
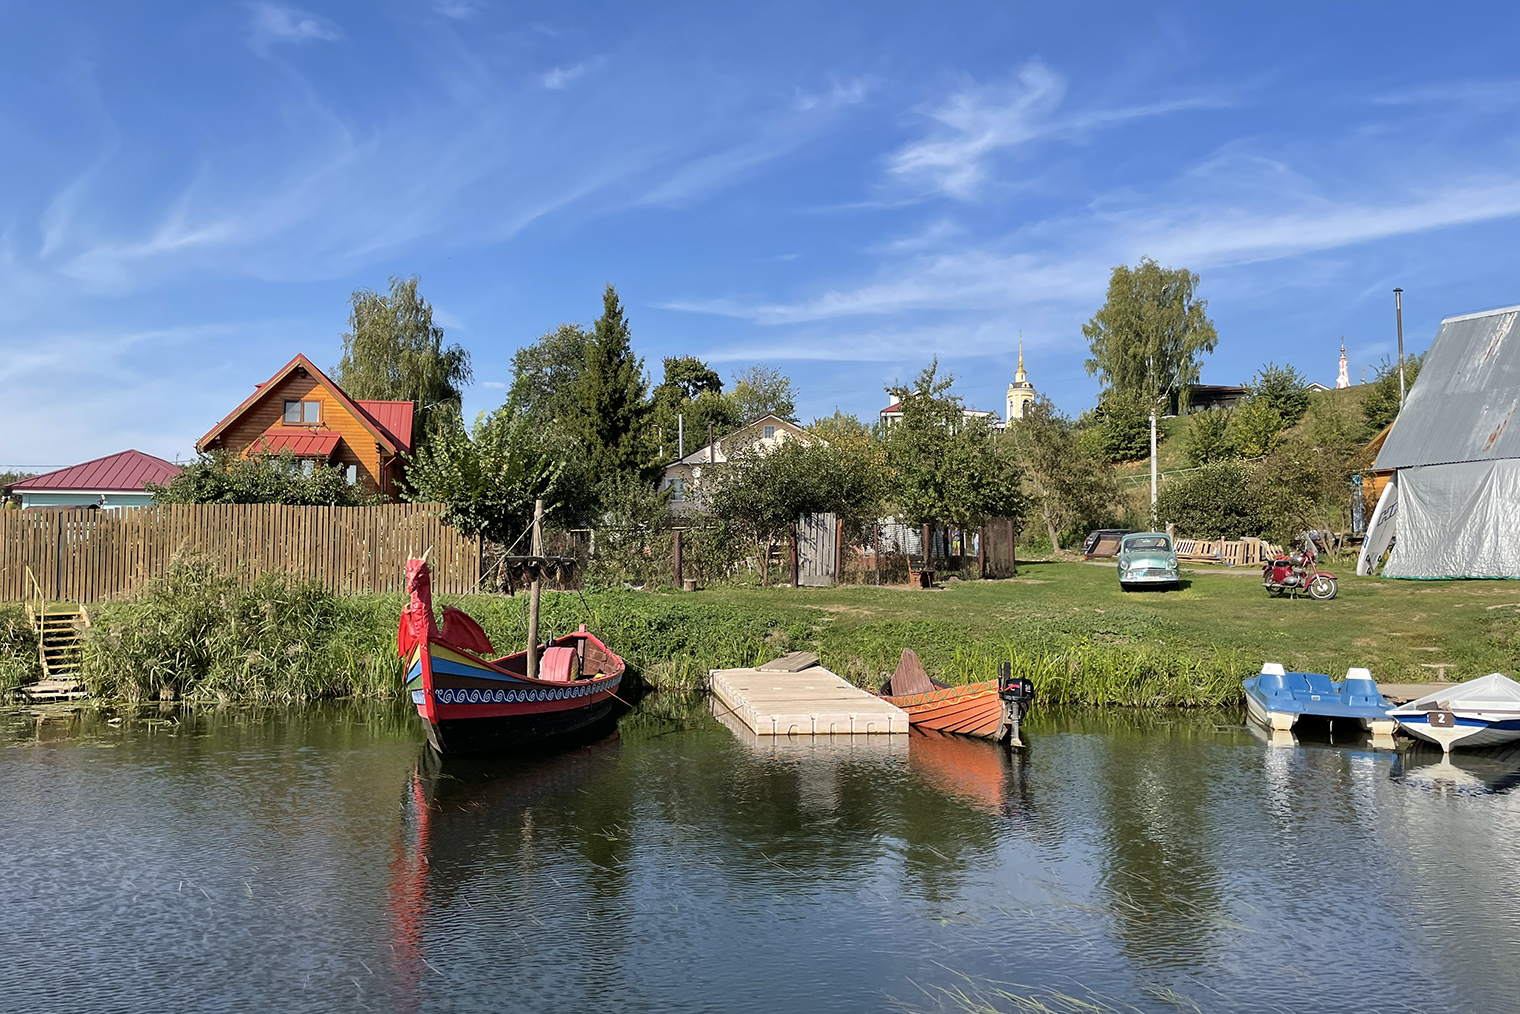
(534,588)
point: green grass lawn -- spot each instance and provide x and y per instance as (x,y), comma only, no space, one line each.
(1197,643)
(1067,626)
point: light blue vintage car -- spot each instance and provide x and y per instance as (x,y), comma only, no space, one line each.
(1148,558)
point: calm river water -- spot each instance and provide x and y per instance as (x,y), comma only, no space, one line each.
(320,860)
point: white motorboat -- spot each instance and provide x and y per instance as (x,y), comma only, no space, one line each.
(1480,712)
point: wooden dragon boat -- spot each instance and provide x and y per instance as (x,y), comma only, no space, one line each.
(989,709)
(472,701)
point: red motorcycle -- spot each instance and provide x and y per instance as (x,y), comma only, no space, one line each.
(1299,572)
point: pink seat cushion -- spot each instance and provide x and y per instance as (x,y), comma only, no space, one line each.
(558,665)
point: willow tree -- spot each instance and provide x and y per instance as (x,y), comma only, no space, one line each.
(394,352)
(1148,337)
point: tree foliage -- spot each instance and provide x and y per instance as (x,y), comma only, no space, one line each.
(1381,404)
(1208,437)
(1255,428)
(609,408)
(1118,429)
(1072,489)
(489,478)
(1147,337)
(225,477)
(1282,387)
(944,468)
(394,352)
(544,373)
(762,390)
(691,398)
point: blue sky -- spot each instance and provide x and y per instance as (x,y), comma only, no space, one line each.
(191,191)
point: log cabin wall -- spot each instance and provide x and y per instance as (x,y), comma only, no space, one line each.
(356,445)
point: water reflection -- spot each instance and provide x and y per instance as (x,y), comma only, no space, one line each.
(322,859)
(1459,773)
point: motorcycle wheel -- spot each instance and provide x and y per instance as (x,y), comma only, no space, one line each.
(1276,593)
(1322,588)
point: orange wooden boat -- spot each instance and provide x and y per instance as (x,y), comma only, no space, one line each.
(974,709)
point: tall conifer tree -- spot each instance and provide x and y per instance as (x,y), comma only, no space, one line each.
(611,403)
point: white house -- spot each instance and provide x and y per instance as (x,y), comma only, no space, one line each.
(767,431)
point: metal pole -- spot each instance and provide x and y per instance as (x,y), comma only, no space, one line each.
(1153,466)
(534,589)
(1398,312)
(675,560)
(680,437)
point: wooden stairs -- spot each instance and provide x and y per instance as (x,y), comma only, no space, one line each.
(59,627)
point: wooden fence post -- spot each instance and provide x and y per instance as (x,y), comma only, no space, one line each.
(675,557)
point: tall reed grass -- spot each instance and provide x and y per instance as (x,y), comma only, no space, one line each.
(197,635)
(18,649)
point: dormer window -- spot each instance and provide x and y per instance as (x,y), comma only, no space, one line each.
(768,432)
(303,413)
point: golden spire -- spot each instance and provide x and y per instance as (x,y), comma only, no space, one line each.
(1019,376)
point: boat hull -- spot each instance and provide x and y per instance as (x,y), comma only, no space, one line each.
(503,733)
(470,705)
(971,710)
(1466,731)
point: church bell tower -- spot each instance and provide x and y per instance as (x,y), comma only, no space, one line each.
(1021,391)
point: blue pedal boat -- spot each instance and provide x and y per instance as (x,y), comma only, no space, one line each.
(1277,699)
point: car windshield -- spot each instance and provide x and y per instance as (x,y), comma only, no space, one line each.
(1146,542)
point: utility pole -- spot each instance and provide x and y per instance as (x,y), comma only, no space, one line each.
(1150,368)
(1398,312)
(680,437)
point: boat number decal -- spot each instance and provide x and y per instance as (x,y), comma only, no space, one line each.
(476,696)
(1442,719)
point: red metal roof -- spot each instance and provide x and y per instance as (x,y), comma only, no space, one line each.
(303,443)
(128,471)
(394,417)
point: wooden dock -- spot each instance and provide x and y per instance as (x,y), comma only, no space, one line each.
(797,697)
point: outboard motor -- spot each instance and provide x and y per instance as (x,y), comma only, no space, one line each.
(1016,694)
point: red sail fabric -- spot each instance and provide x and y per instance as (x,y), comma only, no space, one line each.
(461,631)
(417,622)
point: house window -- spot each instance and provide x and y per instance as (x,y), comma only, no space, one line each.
(308,466)
(769,433)
(353,475)
(677,490)
(299,413)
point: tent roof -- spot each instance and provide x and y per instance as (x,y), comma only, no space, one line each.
(1468,393)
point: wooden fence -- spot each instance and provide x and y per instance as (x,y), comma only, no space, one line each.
(91,555)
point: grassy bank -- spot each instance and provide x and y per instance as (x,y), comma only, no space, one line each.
(1065,625)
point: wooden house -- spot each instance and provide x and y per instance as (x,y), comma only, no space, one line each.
(301,410)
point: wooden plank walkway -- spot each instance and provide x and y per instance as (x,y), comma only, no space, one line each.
(808,702)
(872,747)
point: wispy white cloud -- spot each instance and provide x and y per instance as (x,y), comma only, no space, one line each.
(977,123)
(839,93)
(1483,93)
(561,77)
(1024,269)
(459,10)
(274,23)
(494,385)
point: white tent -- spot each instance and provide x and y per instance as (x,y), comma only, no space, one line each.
(1452,509)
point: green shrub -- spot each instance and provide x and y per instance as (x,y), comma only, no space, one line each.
(1216,501)
(1255,428)
(18,649)
(1208,437)
(1282,387)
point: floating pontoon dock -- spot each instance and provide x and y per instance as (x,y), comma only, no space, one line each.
(794,696)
